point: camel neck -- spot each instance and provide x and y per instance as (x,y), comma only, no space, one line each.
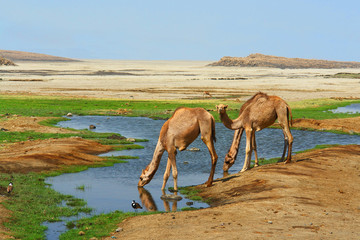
(154,164)
(231,124)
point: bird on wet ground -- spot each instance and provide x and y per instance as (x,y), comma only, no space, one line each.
(135,205)
(10,187)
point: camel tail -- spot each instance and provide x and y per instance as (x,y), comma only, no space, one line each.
(291,117)
(213,129)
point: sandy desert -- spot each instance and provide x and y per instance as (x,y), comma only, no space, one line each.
(171,80)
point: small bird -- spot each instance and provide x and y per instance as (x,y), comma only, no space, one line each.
(135,205)
(9,188)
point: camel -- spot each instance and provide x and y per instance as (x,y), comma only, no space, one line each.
(179,132)
(257,113)
(206,93)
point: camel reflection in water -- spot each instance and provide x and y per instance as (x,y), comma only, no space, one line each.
(150,205)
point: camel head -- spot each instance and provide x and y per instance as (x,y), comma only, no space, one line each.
(221,108)
(144,178)
(229,161)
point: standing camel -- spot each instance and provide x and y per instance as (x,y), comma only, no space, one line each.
(257,113)
(179,132)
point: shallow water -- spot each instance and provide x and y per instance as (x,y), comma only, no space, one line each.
(352,108)
(113,188)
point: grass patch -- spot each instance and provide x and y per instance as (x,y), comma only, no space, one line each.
(60,106)
(322,146)
(51,122)
(321,130)
(263,161)
(81,188)
(188,209)
(119,159)
(33,202)
(127,147)
(98,226)
(103,138)
(192,193)
(344,75)
(320,109)
(76,202)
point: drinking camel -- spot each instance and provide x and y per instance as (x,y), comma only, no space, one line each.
(257,113)
(179,132)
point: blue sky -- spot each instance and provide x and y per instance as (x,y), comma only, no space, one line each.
(182,30)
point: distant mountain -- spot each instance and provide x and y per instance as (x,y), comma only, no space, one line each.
(261,60)
(28,56)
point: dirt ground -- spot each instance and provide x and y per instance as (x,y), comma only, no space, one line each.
(315,197)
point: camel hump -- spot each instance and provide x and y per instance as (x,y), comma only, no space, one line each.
(259,95)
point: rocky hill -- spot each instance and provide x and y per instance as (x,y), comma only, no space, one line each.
(261,60)
(28,56)
(6,62)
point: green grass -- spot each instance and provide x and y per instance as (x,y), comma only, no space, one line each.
(120,159)
(103,138)
(60,106)
(263,161)
(320,108)
(53,121)
(98,226)
(33,202)
(322,146)
(344,75)
(81,187)
(192,193)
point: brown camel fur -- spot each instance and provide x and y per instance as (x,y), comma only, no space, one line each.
(257,113)
(178,133)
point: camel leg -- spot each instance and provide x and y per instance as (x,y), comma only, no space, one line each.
(284,123)
(286,144)
(210,145)
(233,151)
(290,140)
(172,157)
(166,175)
(255,151)
(283,119)
(248,149)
